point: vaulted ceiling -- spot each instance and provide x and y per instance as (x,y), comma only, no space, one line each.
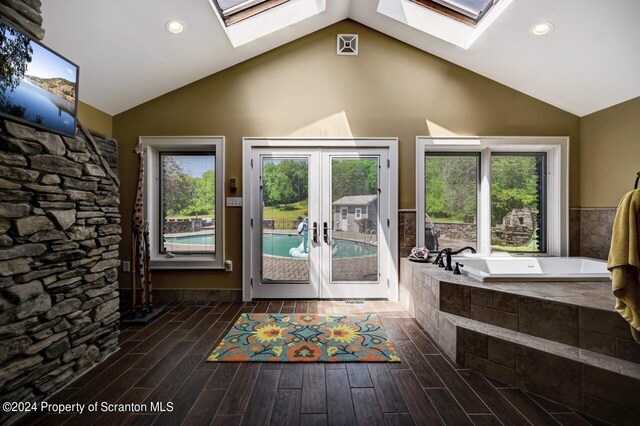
(590,61)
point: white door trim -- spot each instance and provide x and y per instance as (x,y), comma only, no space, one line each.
(249,143)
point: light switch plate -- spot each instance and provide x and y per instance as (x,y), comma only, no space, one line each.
(234,201)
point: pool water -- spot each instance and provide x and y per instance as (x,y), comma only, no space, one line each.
(279,245)
(194,240)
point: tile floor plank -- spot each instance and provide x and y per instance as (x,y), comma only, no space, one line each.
(263,397)
(286,410)
(205,408)
(339,404)
(468,399)
(185,398)
(418,337)
(421,368)
(223,376)
(399,419)
(448,407)
(313,419)
(421,409)
(391,401)
(503,410)
(236,398)
(314,395)
(291,376)
(358,375)
(367,409)
(531,411)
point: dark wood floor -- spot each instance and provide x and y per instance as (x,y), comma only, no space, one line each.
(165,362)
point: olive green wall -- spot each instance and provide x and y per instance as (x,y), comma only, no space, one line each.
(94,119)
(610,157)
(305,89)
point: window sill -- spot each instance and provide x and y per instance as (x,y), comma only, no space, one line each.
(186,262)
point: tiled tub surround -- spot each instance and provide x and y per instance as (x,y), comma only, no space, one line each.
(562,340)
(595,231)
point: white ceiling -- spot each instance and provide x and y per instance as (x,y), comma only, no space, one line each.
(589,62)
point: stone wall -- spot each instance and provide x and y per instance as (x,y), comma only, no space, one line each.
(109,149)
(591,247)
(23,14)
(59,237)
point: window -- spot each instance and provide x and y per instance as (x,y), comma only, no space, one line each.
(233,11)
(451,199)
(518,216)
(187,202)
(184,180)
(358,214)
(467,11)
(499,195)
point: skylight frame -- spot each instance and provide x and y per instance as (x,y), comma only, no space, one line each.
(440,25)
(245,10)
(449,9)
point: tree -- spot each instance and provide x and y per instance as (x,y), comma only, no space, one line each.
(15,56)
(354,177)
(514,185)
(285,182)
(451,186)
(178,188)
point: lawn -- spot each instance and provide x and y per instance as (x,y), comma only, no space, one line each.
(211,215)
(284,215)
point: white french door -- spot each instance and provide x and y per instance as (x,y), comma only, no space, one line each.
(319,222)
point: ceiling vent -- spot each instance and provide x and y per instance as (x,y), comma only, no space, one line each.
(348,44)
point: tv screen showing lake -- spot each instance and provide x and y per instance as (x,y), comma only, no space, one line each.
(40,86)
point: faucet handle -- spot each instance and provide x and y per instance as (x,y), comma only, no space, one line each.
(456,270)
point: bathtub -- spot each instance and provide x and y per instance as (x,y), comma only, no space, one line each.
(533,268)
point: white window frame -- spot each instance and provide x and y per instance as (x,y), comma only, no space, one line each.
(358,213)
(154,145)
(557,202)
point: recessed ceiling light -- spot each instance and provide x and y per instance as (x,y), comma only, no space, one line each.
(541,28)
(174,26)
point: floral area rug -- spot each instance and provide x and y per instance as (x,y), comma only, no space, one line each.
(306,338)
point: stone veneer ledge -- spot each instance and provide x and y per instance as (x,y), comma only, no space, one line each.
(59,240)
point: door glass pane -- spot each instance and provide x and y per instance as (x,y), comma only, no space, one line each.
(451,200)
(188,200)
(517,202)
(285,230)
(354,242)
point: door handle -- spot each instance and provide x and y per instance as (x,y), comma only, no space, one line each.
(315,232)
(326,233)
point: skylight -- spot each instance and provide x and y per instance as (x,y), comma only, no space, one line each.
(463,10)
(233,11)
(459,22)
(247,20)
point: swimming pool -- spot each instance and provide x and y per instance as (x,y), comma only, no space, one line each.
(280,244)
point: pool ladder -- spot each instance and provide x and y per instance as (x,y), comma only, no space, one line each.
(369,237)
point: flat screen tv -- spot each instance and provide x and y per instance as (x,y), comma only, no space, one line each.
(38,87)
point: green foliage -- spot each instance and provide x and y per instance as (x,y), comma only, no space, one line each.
(450,183)
(186,195)
(514,185)
(285,182)
(354,177)
(15,55)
